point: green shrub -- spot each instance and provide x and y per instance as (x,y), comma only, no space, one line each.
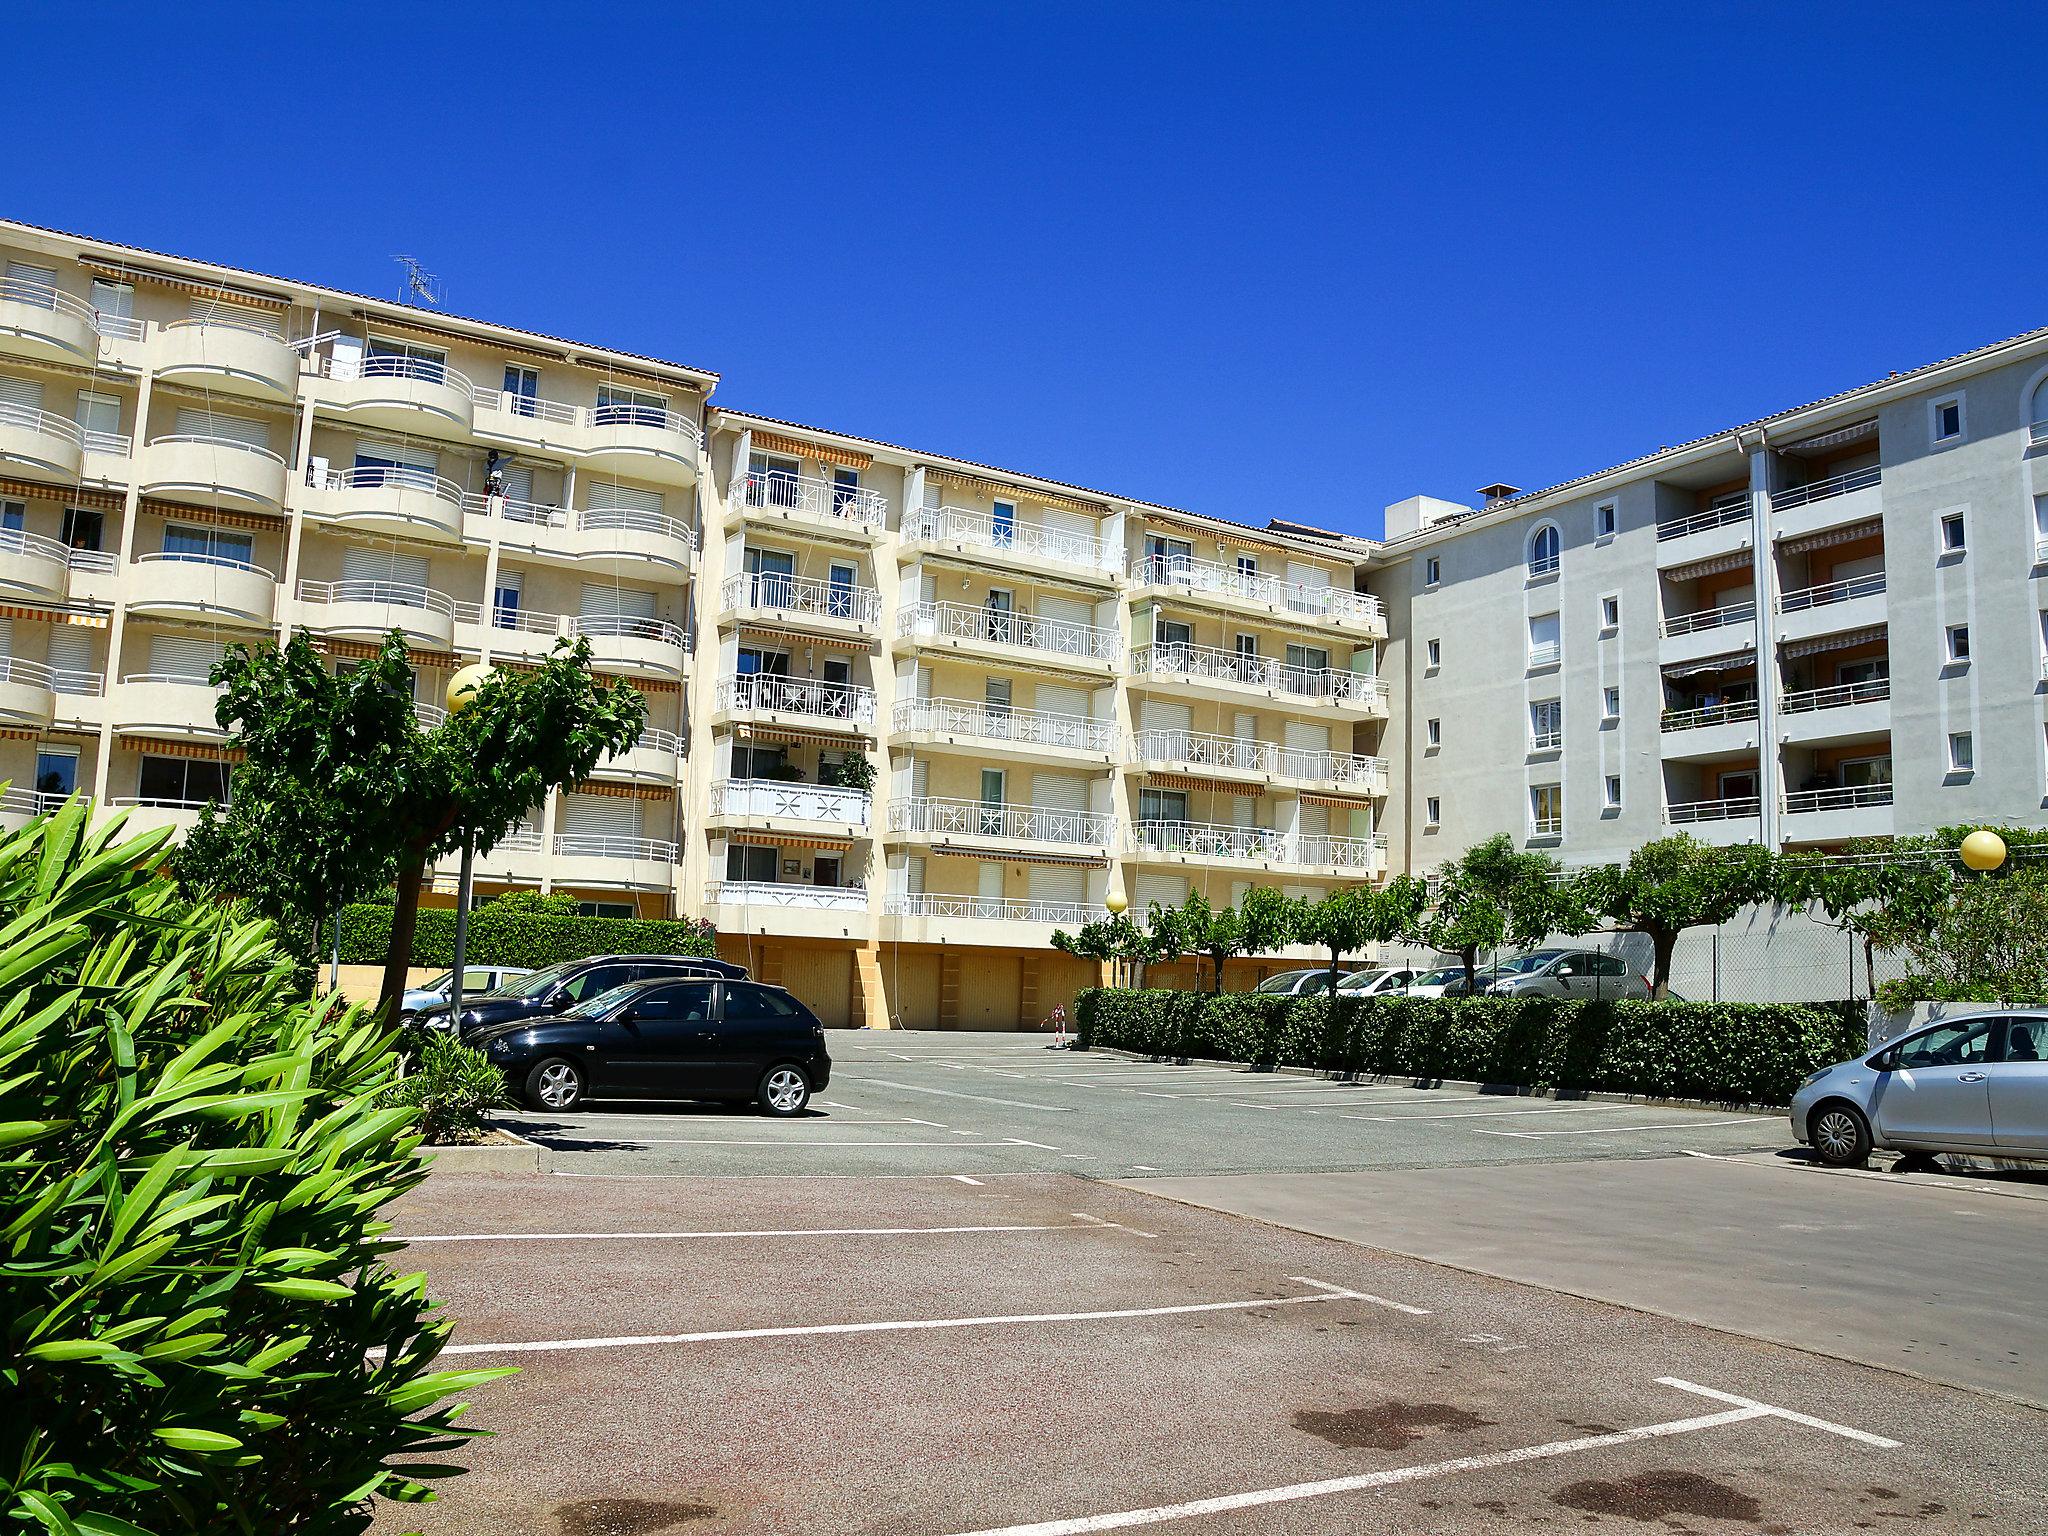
(450,1085)
(1728,1052)
(511,931)
(192,1163)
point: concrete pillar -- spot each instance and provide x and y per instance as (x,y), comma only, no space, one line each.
(1764,565)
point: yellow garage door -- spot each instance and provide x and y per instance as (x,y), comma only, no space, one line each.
(823,980)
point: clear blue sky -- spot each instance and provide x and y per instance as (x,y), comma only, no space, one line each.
(1252,259)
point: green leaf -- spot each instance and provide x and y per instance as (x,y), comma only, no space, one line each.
(72,1349)
(203,1441)
(306,1290)
(47,1510)
(14,1133)
(94,1524)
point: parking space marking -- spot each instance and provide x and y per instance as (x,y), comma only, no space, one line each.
(1746,1410)
(791,1145)
(912,1325)
(1629,1130)
(1086,1224)
(1493,1114)
(979,1098)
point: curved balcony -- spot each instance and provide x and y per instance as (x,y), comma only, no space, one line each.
(165,704)
(18,807)
(28,692)
(403,393)
(369,610)
(34,565)
(775,497)
(220,469)
(623,863)
(227,356)
(211,587)
(642,441)
(653,759)
(625,539)
(42,442)
(415,503)
(637,647)
(506,632)
(38,320)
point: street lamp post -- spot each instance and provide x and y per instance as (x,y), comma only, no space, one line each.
(1983,850)
(1116,904)
(461,693)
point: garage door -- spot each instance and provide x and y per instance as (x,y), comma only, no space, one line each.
(1053,882)
(391,566)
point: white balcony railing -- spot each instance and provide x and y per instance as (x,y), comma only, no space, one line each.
(1545,653)
(1821,490)
(1323,852)
(196,557)
(1732,508)
(29,802)
(1546,741)
(988,909)
(1546,826)
(1709,714)
(179,679)
(778,799)
(771,893)
(1875,690)
(1207,662)
(624,413)
(117,444)
(376,477)
(626,626)
(987,722)
(591,845)
(797,696)
(1021,823)
(99,562)
(16,541)
(40,295)
(1249,756)
(201,439)
(965,621)
(1828,592)
(1842,798)
(2037,432)
(807,595)
(395,594)
(529,407)
(1726,808)
(428,370)
(49,423)
(778,492)
(1190,575)
(634,520)
(1709,618)
(2041,551)
(1211,840)
(957,525)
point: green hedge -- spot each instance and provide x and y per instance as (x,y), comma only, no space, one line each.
(513,937)
(1726,1052)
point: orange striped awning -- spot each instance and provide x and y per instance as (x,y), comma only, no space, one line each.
(134,274)
(72,496)
(1011,856)
(804,637)
(259,522)
(982,485)
(824,453)
(640,684)
(158,746)
(1191,781)
(624,791)
(798,734)
(362,650)
(1338,802)
(83,618)
(757,839)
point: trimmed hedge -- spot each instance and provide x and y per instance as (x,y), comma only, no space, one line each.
(1724,1052)
(509,936)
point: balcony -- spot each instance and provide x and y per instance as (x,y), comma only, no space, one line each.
(973,826)
(1724,822)
(981,537)
(925,917)
(775,497)
(1705,632)
(1845,712)
(47,445)
(1837,815)
(403,393)
(636,646)
(1545,828)
(219,470)
(1249,760)
(1273,596)
(628,863)
(1543,653)
(27,693)
(369,610)
(1005,638)
(1832,606)
(33,565)
(802,602)
(1840,499)
(986,730)
(1722,528)
(18,807)
(787,909)
(627,540)
(652,759)
(644,442)
(227,356)
(776,803)
(210,587)
(1231,675)
(1710,731)
(165,704)
(412,503)
(41,321)
(525,633)
(1546,741)
(1198,842)
(768,697)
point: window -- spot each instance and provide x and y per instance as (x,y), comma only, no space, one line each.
(13,517)
(1613,788)
(1610,702)
(689,1003)
(1171,555)
(505,599)
(1434,732)
(1543,547)
(605,909)
(111,298)
(1433,810)
(772,481)
(617,407)
(1546,725)
(522,388)
(1247,646)
(1172,632)
(1546,810)
(1962,752)
(1435,649)
(56,772)
(750,862)
(83,528)
(1162,805)
(1959,642)
(1432,571)
(1604,520)
(1952,535)
(755,1007)
(99,417)
(1544,649)
(1947,420)
(1610,611)
(404,360)
(181,781)
(1953,1045)
(209,546)
(1248,567)
(846,492)
(1004,523)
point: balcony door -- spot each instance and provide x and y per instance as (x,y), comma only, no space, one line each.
(839,597)
(772,574)
(1866,772)
(772,482)
(998,622)
(993,784)
(749,862)
(1004,524)
(1736,786)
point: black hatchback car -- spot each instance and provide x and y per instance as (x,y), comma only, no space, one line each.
(568,983)
(728,1039)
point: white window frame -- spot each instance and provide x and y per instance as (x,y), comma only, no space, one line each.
(1961,523)
(1606,521)
(1433,653)
(1535,565)
(1962,752)
(1432,733)
(1432,570)
(1610,701)
(1432,811)
(1610,788)
(1610,626)
(1958,656)
(1934,410)
(1546,737)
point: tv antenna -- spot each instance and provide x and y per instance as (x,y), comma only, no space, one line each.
(418,285)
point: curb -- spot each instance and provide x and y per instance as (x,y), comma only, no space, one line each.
(1504,1090)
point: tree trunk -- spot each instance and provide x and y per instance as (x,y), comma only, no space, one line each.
(1662,943)
(1471,959)
(404,918)
(1216,981)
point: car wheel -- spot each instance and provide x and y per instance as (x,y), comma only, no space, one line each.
(784,1091)
(1839,1134)
(554,1084)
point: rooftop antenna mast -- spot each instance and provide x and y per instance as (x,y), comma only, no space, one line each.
(418,285)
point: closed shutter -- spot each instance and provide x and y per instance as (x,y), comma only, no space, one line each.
(391,566)
(1247,725)
(928,588)
(924,682)
(989,881)
(1159,715)
(1306,736)
(1307,575)
(1167,890)
(600,816)
(25,393)
(920,779)
(70,648)
(1241,809)
(1056,882)
(403,454)
(601,601)
(1315,820)
(205,306)
(627,498)
(913,874)
(1067,610)
(1059,791)
(1239,889)
(519,483)
(6,637)
(1056,700)
(192,422)
(182,656)
(1063,521)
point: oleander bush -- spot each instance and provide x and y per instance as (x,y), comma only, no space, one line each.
(450,1085)
(509,931)
(1726,1052)
(201,1331)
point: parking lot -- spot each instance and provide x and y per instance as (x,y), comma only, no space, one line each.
(928,1309)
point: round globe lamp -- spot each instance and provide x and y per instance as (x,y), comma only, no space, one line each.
(1983,850)
(462,687)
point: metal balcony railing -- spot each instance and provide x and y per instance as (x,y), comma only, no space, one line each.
(380,477)
(426,370)
(1545,653)
(634,520)
(1211,840)
(206,440)
(1873,691)
(1844,797)
(1209,663)
(1727,808)
(116,443)
(1709,618)
(99,562)
(1184,573)
(48,423)
(772,893)
(958,525)
(779,492)
(197,557)
(989,909)
(1323,852)
(1546,741)
(1732,508)
(1821,490)
(778,799)
(394,594)
(797,696)
(654,739)
(253,327)
(1709,714)
(591,845)
(15,541)
(1028,631)
(560,413)
(40,295)
(1251,756)
(1871,585)
(1546,826)
(2037,432)
(805,595)
(1021,823)
(626,626)
(989,722)
(162,803)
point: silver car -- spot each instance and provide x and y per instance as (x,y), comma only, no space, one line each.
(1564,973)
(1312,982)
(1975,1087)
(476,980)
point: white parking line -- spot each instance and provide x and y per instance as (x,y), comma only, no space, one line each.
(914,1325)
(1091,1224)
(1745,1411)
(1629,1130)
(1492,1114)
(979,1098)
(794,1146)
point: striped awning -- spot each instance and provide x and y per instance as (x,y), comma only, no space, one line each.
(622,790)
(1012,856)
(1719,563)
(759,839)
(385,321)
(1846,641)
(129,273)
(824,453)
(1193,781)
(1231,538)
(804,637)
(209,749)
(982,485)
(71,496)
(83,618)
(1727,662)
(1848,535)
(259,522)
(798,734)
(614,370)
(640,684)
(362,650)
(1338,802)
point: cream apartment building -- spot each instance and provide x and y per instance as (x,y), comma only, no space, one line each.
(907,714)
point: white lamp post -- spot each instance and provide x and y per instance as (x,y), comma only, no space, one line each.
(461,694)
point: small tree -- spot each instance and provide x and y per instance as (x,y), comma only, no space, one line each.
(1196,928)
(1352,917)
(1109,940)
(1269,920)
(1495,894)
(1674,884)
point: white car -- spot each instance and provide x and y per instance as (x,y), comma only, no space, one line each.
(1390,981)
(476,980)
(1312,982)
(1433,983)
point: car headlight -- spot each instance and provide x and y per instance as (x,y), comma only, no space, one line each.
(1813,1077)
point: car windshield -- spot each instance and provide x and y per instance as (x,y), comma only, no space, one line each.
(435,984)
(1286,981)
(533,983)
(1359,981)
(1525,965)
(604,1002)
(1440,978)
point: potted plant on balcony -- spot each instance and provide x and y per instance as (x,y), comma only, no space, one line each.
(856,770)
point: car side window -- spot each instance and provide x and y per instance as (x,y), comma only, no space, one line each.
(2026,1040)
(1953,1045)
(688,1003)
(599,978)
(1609,965)
(750,1007)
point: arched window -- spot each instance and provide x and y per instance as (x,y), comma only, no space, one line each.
(1543,550)
(2037,414)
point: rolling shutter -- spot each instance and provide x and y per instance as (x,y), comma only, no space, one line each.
(392,566)
(1057,882)
(1241,810)
(1159,715)
(7,637)
(913,874)
(1308,575)
(1315,820)
(70,649)
(1059,520)
(192,422)
(182,656)
(627,498)
(1055,700)
(1067,610)
(1247,725)
(600,816)
(602,601)
(989,881)
(206,306)
(24,393)
(1167,890)
(920,779)
(519,483)
(405,455)
(1306,736)
(1059,791)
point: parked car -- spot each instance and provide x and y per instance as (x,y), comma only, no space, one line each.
(560,986)
(476,980)
(1582,973)
(1312,982)
(666,1039)
(1976,1086)
(1433,983)
(1384,982)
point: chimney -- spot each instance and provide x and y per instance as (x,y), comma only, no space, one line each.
(1496,494)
